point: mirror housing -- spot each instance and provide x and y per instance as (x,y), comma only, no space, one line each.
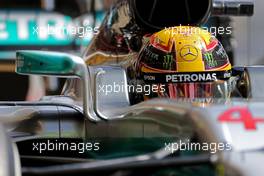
(233,8)
(48,64)
(58,64)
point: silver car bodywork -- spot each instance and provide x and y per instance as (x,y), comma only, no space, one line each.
(154,118)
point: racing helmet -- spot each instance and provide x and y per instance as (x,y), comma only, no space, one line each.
(184,62)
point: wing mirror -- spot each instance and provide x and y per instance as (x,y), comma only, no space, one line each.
(60,65)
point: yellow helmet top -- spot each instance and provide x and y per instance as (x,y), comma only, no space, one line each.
(187,62)
(183,49)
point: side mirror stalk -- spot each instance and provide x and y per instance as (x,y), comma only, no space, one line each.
(60,65)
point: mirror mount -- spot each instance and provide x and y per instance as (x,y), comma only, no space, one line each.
(57,64)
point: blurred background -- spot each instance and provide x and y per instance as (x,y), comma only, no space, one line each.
(21,23)
(19,17)
(248,37)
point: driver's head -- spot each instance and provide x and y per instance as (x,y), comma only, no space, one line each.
(185,62)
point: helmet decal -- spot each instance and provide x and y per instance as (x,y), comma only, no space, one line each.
(183,49)
(189,53)
(189,61)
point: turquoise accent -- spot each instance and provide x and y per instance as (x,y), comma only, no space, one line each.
(114,148)
(10,28)
(7,55)
(44,63)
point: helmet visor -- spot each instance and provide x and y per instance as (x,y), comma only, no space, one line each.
(216,89)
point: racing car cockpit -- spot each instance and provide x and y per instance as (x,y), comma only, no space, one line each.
(187,65)
(111,116)
(184,63)
(111,83)
(138,98)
